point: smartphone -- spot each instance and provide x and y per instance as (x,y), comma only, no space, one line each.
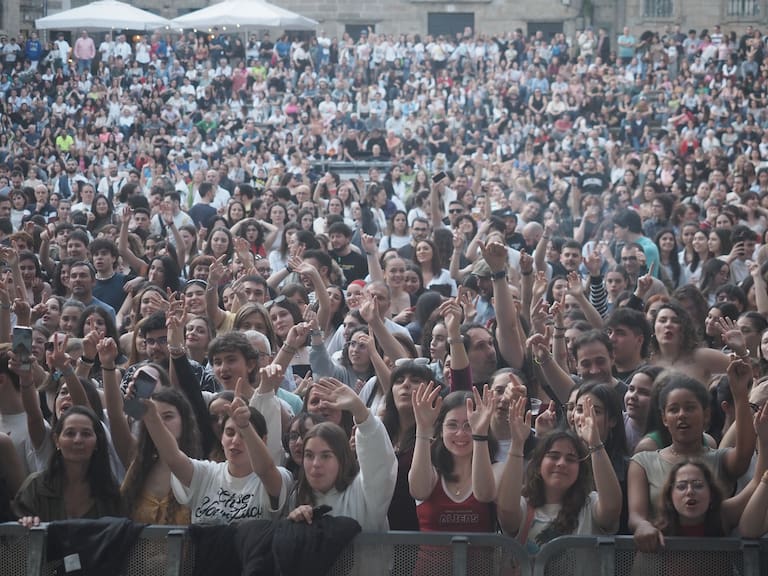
(22,345)
(143,386)
(439,177)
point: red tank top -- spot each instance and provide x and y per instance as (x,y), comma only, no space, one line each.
(441,514)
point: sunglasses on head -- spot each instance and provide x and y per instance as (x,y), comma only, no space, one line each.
(279,300)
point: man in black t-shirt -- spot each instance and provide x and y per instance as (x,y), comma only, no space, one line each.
(353,264)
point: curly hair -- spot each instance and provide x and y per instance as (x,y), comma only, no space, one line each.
(689,335)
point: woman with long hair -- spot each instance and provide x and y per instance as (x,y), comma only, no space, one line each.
(360,489)
(428,259)
(714,274)
(700,256)
(78,482)
(669,259)
(146,489)
(452,467)
(684,405)
(397,233)
(557,496)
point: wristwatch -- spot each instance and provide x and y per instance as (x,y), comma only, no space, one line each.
(501,274)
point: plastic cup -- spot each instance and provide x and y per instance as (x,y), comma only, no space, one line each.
(535,406)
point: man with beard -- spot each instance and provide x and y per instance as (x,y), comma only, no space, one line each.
(155,336)
(82,279)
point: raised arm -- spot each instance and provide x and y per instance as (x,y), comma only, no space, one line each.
(736,461)
(576,290)
(389,344)
(508,509)
(215,274)
(761,289)
(372,256)
(262,463)
(125,443)
(609,497)
(422,476)
(123,247)
(480,412)
(167,448)
(507,335)
(559,381)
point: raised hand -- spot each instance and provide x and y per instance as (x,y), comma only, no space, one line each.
(426,403)
(60,360)
(519,421)
(216,271)
(107,351)
(495,255)
(297,335)
(335,394)
(369,244)
(546,421)
(450,310)
(238,410)
(526,263)
(481,410)
(90,344)
(271,376)
(9,255)
(593,263)
(467,304)
(732,336)
(739,376)
(586,423)
(538,344)
(575,288)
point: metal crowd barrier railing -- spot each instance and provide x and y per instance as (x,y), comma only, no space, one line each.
(167,551)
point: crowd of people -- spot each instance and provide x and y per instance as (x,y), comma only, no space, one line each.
(547,316)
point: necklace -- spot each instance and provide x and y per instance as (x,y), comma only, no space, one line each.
(106,278)
(459,489)
(676,453)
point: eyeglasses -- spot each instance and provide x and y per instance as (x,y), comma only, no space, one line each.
(411,362)
(629,258)
(279,300)
(162,341)
(294,436)
(455,211)
(752,406)
(49,347)
(695,485)
(454,427)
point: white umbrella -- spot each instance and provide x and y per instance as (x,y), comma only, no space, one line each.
(245,14)
(101,15)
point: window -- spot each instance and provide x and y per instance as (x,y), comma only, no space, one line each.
(658,9)
(450,24)
(744,8)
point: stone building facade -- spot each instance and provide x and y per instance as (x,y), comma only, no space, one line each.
(438,16)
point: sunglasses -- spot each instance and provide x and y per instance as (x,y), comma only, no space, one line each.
(279,300)
(455,211)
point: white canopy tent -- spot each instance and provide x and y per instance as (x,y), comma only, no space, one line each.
(103,15)
(244,14)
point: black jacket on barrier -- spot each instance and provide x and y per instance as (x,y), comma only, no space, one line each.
(282,547)
(101,546)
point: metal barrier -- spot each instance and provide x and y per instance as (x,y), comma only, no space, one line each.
(609,556)
(166,551)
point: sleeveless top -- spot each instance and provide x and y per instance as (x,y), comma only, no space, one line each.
(440,513)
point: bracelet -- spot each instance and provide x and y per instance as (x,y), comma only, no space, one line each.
(500,275)
(511,455)
(316,332)
(179,350)
(480,437)
(109,368)
(85,360)
(454,340)
(743,356)
(68,371)
(539,362)
(289,269)
(526,273)
(560,328)
(424,437)
(559,336)
(290,349)
(593,449)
